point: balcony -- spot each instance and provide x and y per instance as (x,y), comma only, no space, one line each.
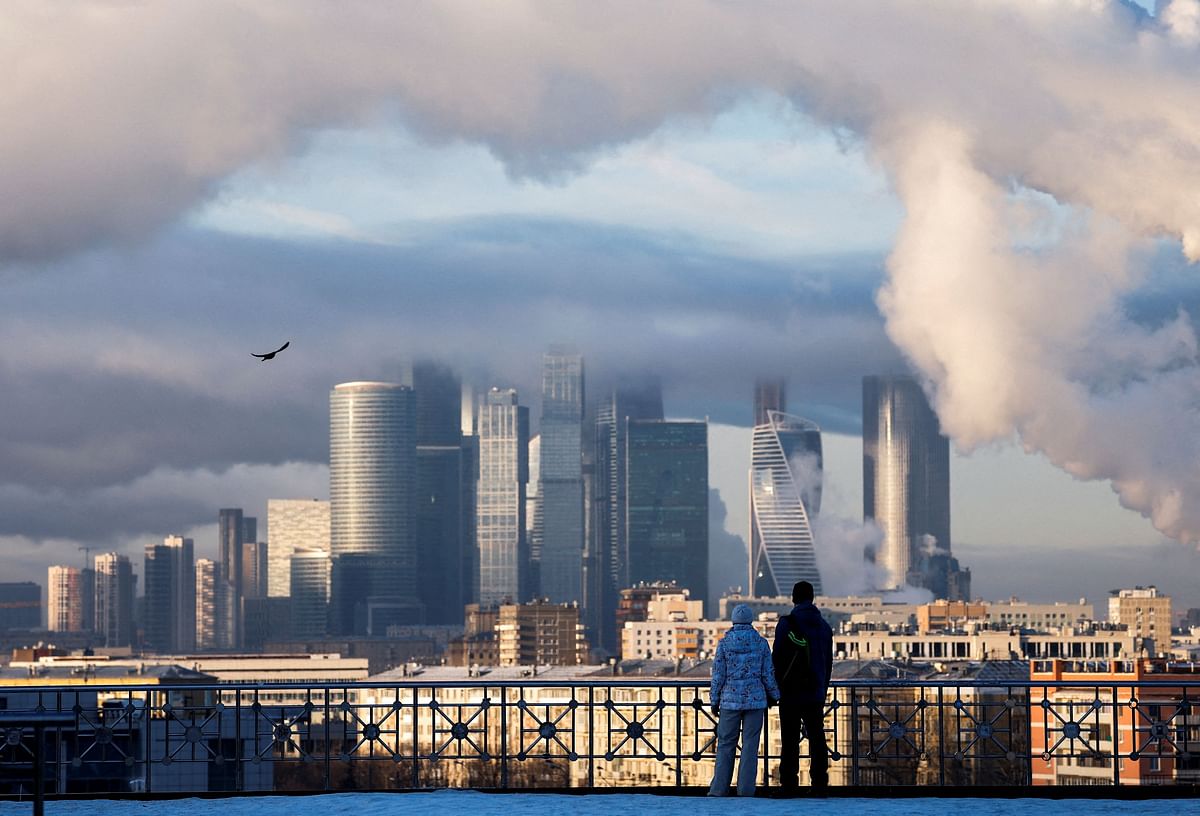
(886,737)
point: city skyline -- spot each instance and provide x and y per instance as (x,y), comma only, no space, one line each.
(669,224)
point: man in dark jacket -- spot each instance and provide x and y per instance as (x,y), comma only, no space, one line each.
(803,634)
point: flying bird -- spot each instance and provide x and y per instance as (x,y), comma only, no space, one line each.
(270,355)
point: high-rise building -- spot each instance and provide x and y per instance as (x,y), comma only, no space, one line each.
(785,497)
(231,538)
(170,596)
(607,565)
(293,524)
(20,605)
(534,520)
(310,574)
(372,486)
(769,395)
(212,602)
(254,570)
(1147,614)
(666,503)
(503,550)
(906,488)
(65,601)
(114,599)
(443,564)
(561,475)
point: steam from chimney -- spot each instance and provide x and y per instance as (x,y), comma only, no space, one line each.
(1036,148)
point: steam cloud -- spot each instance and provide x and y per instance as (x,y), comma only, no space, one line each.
(1036,147)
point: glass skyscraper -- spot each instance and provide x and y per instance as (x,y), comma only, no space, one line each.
(561,475)
(607,566)
(785,497)
(170,612)
(906,487)
(309,578)
(372,487)
(666,503)
(443,563)
(114,599)
(293,524)
(503,549)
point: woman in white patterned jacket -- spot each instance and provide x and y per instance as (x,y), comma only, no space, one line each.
(743,685)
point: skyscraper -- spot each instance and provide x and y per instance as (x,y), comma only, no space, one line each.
(503,550)
(906,487)
(561,473)
(64,599)
(607,564)
(443,563)
(372,486)
(785,497)
(114,599)
(231,536)
(254,572)
(212,603)
(310,576)
(534,520)
(769,395)
(666,504)
(293,524)
(170,599)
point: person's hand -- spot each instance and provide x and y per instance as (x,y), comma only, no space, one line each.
(773,702)
(716,711)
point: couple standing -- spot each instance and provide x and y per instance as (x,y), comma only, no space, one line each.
(748,675)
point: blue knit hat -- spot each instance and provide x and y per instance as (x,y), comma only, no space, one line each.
(743,614)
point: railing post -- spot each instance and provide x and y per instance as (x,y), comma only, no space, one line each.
(942,731)
(416,730)
(853,735)
(239,778)
(328,768)
(504,737)
(147,729)
(1116,738)
(591,753)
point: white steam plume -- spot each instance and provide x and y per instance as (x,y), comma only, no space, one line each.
(120,117)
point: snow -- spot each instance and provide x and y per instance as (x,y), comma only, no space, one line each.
(518,804)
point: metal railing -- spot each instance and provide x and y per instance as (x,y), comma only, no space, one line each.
(163,739)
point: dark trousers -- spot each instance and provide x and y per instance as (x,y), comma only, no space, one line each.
(793,715)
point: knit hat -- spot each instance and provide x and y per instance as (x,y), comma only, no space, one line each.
(743,614)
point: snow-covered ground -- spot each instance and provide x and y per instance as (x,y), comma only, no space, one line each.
(468,803)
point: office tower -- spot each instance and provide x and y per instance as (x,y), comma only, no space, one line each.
(666,504)
(906,488)
(293,524)
(443,564)
(170,597)
(534,520)
(310,576)
(607,566)
(212,606)
(561,474)
(255,564)
(114,599)
(64,600)
(372,486)
(769,395)
(503,550)
(20,605)
(785,497)
(231,535)
(87,592)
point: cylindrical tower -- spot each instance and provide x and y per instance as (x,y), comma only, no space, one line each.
(372,481)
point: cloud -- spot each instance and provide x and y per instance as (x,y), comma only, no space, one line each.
(137,112)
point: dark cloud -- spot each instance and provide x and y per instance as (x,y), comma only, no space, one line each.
(118,365)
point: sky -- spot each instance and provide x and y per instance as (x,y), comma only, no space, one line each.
(680,189)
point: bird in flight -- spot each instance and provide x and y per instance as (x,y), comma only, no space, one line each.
(270,355)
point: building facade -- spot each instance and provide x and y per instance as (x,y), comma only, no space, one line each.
(293,524)
(561,474)
(169,624)
(115,592)
(502,547)
(1146,612)
(444,561)
(310,575)
(785,497)
(212,607)
(372,487)
(666,503)
(541,633)
(65,600)
(906,488)
(231,538)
